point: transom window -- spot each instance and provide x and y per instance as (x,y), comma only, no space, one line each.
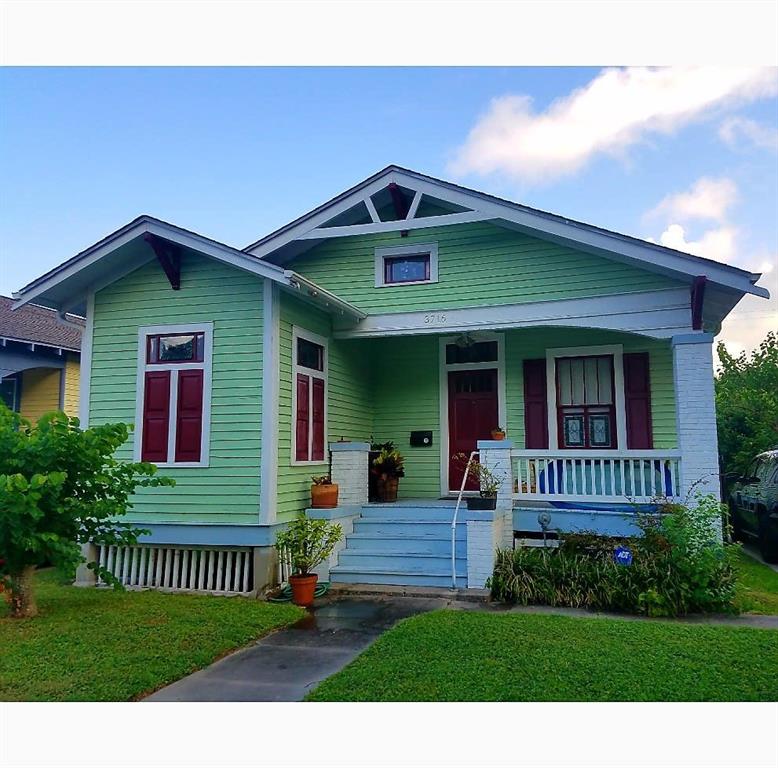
(478,352)
(309,398)
(175,348)
(585,402)
(406,265)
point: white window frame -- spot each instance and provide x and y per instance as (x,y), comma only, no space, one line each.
(415,249)
(314,338)
(443,370)
(617,352)
(206,366)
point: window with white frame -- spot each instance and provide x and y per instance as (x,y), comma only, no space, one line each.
(309,397)
(406,265)
(174,394)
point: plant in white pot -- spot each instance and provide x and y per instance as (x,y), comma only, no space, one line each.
(306,543)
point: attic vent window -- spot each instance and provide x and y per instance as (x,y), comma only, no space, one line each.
(406,265)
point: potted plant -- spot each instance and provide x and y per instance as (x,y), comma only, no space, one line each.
(488,483)
(498,433)
(388,467)
(324,493)
(306,543)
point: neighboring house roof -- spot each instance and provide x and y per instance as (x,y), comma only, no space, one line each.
(479,206)
(39,325)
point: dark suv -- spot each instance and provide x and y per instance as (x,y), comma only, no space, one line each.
(753,504)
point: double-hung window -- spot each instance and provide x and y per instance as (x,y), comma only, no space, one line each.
(309,397)
(406,265)
(586,409)
(174,382)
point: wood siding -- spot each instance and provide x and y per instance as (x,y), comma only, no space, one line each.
(349,406)
(228,490)
(72,381)
(40,389)
(478,264)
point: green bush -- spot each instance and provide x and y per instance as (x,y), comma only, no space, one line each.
(679,566)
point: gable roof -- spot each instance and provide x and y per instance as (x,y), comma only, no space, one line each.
(307,230)
(39,325)
(116,255)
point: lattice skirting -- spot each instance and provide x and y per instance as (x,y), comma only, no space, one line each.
(227,571)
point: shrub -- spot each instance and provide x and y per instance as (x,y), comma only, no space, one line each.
(308,542)
(679,566)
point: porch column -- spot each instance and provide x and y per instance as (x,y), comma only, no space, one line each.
(695,409)
(349,471)
(86,577)
(484,536)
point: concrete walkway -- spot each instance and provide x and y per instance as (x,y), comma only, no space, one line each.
(286,665)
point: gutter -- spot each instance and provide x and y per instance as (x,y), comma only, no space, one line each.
(322,295)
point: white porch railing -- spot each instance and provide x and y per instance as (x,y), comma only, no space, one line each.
(589,476)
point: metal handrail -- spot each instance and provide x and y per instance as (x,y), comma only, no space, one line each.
(454,522)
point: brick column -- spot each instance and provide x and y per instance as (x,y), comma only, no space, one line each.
(349,471)
(695,410)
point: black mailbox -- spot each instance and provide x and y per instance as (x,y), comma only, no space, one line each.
(421,438)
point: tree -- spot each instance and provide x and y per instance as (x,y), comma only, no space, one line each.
(747,404)
(61,486)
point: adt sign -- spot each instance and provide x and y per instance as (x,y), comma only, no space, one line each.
(622,555)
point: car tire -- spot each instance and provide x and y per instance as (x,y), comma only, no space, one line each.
(768,540)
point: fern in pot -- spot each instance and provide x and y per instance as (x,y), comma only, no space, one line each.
(306,543)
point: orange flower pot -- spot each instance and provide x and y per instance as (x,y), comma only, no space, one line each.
(324,496)
(303,589)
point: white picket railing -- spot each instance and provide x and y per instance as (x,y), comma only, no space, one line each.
(192,569)
(608,476)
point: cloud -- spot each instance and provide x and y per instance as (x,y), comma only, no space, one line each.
(616,110)
(717,244)
(706,199)
(735,131)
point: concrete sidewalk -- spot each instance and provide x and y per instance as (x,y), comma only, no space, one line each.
(286,665)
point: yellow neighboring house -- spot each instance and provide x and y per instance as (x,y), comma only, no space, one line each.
(40,356)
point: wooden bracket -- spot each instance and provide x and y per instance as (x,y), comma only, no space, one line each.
(169,257)
(697,299)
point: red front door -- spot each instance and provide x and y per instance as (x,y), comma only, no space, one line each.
(472,415)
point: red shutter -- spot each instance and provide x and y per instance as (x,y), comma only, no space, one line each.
(189,416)
(301,418)
(156,416)
(637,400)
(535,404)
(317,449)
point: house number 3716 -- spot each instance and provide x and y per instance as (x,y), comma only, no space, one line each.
(435,318)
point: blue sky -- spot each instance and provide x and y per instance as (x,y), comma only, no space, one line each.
(234,153)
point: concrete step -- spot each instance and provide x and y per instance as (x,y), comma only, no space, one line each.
(418,514)
(395,561)
(400,544)
(409,528)
(359,575)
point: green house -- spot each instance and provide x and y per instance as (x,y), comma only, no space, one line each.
(406,309)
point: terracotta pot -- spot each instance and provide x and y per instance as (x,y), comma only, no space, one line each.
(324,496)
(497,435)
(303,589)
(387,488)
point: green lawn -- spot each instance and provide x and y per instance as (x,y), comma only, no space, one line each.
(101,645)
(757,586)
(474,656)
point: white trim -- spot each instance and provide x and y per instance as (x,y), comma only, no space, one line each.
(443,370)
(270,376)
(414,205)
(303,333)
(371,210)
(617,350)
(658,314)
(206,366)
(85,365)
(444,220)
(417,249)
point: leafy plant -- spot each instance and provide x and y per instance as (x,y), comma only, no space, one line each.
(321,480)
(678,567)
(488,481)
(61,486)
(389,463)
(308,542)
(747,404)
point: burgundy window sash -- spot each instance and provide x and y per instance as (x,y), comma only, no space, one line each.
(309,418)
(189,416)
(156,416)
(637,400)
(302,422)
(535,404)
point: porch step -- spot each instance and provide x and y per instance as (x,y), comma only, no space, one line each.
(431,545)
(402,561)
(362,575)
(412,514)
(410,528)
